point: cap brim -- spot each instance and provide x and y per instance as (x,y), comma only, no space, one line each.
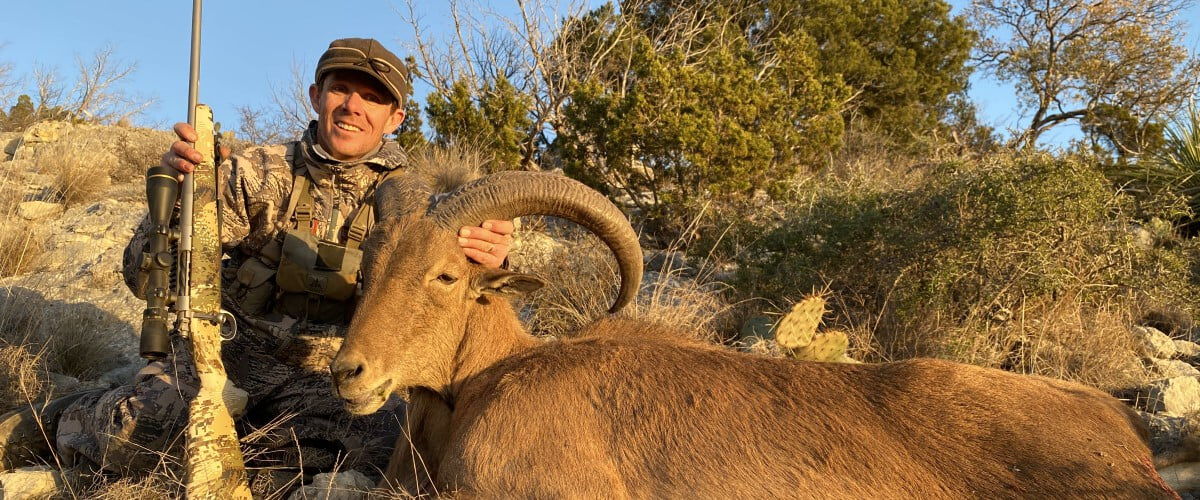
(334,66)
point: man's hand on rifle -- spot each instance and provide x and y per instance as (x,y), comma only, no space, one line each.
(182,156)
(487,244)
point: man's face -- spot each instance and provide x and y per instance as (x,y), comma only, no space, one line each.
(354,112)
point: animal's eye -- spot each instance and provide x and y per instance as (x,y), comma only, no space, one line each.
(446,278)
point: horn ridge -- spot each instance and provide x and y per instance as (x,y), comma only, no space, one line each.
(512,194)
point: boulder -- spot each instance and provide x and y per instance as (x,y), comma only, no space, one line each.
(31,482)
(666,262)
(758,326)
(347,485)
(1167,434)
(43,132)
(10,141)
(1184,477)
(1187,349)
(1178,397)
(1154,344)
(38,210)
(1171,368)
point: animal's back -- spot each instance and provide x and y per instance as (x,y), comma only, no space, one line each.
(658,417)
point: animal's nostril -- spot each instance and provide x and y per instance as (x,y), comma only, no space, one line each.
(344,369)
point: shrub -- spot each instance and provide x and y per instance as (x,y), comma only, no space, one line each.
(969,250)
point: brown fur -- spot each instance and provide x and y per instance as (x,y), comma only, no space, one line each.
(618,412)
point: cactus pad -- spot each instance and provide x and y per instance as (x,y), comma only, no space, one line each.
(826,346)
(798,327)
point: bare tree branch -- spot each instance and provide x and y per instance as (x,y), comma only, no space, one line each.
(293,110)
(1068,56)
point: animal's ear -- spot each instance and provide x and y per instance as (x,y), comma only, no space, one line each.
(505,283)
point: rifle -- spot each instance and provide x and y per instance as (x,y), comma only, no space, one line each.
(215,467)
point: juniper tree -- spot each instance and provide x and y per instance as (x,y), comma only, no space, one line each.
(694,113)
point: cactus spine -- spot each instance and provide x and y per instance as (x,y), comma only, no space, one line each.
(797,336)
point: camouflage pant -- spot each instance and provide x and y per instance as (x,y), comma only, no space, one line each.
(293,421)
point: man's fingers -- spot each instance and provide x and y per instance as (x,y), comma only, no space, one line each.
(485,252)
(499,226)
(488,235)
(185,132)
(181,157)
(187,152)
(483,258)
(169,159)
(483,245)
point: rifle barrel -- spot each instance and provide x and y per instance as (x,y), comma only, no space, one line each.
(187,190)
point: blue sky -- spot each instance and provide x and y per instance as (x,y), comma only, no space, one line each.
(251,45)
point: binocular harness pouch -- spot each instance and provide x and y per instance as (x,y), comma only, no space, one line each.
(317,278)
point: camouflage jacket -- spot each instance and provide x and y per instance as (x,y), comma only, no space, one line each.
(254,189)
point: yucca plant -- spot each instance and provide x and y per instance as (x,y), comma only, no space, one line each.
(1180,156)
(1175,166)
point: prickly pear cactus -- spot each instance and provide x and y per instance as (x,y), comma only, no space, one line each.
(797,336)
(796,330)
(826,346)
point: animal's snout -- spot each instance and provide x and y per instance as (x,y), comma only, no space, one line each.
(345,368)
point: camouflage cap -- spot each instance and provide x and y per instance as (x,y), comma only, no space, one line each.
(368,56)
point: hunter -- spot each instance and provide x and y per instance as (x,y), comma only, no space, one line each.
(316,191)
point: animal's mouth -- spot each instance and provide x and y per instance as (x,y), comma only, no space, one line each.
(371,401)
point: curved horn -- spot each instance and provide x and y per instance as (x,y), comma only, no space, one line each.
(507,195)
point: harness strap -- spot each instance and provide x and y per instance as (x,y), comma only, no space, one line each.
(301,204)
(302,211)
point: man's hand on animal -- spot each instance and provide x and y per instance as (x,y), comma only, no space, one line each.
(487,244)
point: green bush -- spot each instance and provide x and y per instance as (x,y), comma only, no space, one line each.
(971,245)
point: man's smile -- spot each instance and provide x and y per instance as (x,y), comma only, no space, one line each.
(347,126)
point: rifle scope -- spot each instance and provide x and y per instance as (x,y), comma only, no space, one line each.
(162,189)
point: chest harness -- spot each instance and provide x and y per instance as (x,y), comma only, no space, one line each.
(318,271)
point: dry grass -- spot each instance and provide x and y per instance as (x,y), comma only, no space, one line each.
(39,337)
(1064,339)
(137,150)
(581,284)
(21,242)
(21,380)
(83,483)
(80,170)
(20,246)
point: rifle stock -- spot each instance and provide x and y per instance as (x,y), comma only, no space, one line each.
(215,467)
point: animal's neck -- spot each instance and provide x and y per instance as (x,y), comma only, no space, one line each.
(493,332)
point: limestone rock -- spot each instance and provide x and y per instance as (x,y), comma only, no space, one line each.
(10,141)
(758,326)
(1155,344)
(348,485)
(667,262)
(44,132)
(38,210)
(1171,368)
(1187,349)
(1179,396)
(1167,433)
(532,250)
(31,482)
(1182,477)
